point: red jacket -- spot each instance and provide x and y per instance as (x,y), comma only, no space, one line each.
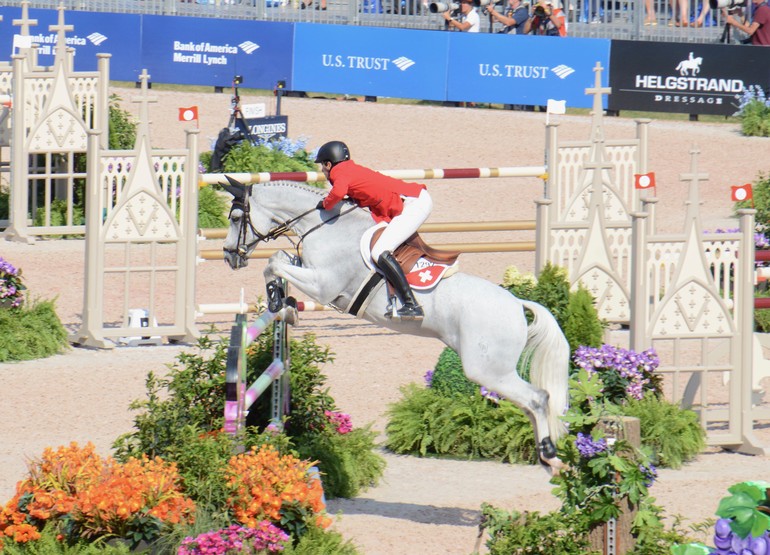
(370,189)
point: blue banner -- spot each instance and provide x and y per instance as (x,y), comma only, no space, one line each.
(198,51)
(93,33)
(373,61)
(524,69)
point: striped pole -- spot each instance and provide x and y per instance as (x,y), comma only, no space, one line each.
(263,382)
(437,227)
(447,173)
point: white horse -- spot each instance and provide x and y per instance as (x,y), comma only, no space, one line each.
(484,323)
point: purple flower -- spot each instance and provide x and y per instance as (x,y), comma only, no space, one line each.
(588,447)
(11,286)
(428,378)
(610,363)
(489,394)
(650,473)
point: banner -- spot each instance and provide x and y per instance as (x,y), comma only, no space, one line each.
(684,78)
(524,69)
(264,129)
(345,59)
(93,33)
(198,51)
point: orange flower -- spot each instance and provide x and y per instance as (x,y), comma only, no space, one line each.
(101,496)
(261,482)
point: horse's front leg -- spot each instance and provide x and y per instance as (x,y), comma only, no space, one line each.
(307,280)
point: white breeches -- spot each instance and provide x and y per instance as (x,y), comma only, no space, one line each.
(416,211)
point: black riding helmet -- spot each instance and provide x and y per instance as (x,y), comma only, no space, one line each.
(334,152)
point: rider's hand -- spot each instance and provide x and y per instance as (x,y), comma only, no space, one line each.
(320,205)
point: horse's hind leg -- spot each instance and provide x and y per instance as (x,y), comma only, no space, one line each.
(530,399)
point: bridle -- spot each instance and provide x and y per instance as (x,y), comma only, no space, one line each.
(243,247)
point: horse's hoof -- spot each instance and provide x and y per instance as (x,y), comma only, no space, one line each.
(274,297)
(546,449)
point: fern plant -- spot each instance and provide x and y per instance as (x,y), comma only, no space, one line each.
(674,434)
(425,422)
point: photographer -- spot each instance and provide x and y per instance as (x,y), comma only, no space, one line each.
(547,20)
(468,21)
(515,17)
(759,28)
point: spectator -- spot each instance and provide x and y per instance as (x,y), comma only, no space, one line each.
(759,28)
(514,19)
(468,21)
(321,6)
(681,19)
(650,9)
(700,21)
(547,20)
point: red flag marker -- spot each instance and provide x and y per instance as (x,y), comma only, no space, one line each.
(644,180)
(188,114)
(741,192)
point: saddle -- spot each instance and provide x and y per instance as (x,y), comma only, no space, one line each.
(423,265)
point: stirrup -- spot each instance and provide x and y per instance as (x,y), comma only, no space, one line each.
(390,310)
(410,312)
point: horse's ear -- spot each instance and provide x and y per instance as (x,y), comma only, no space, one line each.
(235,188)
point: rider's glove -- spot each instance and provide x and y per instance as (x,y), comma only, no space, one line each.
(320,205)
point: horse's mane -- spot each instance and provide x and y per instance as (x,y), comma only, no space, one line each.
(317,191)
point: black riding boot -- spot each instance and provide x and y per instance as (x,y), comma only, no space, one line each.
(395,275)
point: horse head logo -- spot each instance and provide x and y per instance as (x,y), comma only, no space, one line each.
(690,66)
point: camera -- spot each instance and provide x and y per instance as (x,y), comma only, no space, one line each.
(441,7)
(484,3)
(728,4)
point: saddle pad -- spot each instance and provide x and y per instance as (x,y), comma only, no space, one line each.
(423,265)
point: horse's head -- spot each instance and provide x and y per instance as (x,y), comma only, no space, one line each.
(242,237)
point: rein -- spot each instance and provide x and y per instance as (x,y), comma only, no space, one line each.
(242,246)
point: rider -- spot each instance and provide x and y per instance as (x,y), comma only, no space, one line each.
(404,206)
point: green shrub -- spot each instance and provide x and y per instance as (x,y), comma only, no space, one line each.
(347,462)
(530,533)
(5,199)
(426,422)
(246,157)
(448,377)
(553,292)
(59,214)
(212,209)
(122,126)
(674,434)
(317,541)
(31,332)
(582,325)
(755,119)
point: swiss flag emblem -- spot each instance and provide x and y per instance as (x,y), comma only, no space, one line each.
(426,277)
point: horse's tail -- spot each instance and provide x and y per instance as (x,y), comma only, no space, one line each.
(547,352)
